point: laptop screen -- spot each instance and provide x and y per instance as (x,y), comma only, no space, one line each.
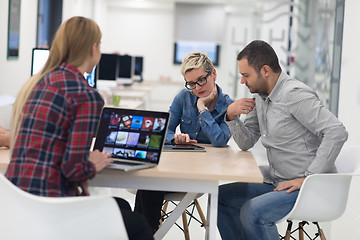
(132,134)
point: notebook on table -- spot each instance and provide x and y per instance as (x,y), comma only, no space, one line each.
(134,138)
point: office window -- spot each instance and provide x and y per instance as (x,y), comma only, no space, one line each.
(48,20)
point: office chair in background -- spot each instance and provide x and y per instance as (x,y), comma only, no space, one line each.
(323,197)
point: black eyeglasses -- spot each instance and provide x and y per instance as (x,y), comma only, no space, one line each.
(200,82)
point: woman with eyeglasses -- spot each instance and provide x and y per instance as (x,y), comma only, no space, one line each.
(199,110)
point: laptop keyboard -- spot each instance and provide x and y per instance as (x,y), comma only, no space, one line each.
(127,163)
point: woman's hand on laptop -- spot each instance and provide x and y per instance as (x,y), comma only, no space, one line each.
(183,138)
(99,159)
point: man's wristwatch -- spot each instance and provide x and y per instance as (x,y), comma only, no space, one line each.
(201,110)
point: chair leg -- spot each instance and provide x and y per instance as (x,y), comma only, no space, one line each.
(186,227)
(320,231)
(164,208)
(288,230)
(201,214)
(301,230)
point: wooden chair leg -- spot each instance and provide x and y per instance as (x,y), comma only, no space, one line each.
(186,227)
(288,230)
(320,231)
(301,230)
(164,208)
(201,214)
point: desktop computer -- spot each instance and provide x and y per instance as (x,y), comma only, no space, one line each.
(138,69)
(39,58)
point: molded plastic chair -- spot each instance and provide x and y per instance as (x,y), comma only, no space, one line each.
(177,197)
(323,197)
(26,216)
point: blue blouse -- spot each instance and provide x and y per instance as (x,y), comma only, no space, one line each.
(208,127)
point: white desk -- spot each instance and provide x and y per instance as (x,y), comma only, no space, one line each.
(136,92)
(191,172)
(131,104)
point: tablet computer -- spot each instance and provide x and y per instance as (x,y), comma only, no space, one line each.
(183,148)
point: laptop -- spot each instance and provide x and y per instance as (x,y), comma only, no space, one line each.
(134,138)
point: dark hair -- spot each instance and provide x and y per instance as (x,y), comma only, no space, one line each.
(258,54)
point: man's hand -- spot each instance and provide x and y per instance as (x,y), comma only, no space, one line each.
(291,185)
(99,159)
(241,106)
(183,138)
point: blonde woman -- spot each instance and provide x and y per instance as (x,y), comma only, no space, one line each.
(54,119)
(199,109)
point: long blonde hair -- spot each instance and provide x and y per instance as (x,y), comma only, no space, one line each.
(72,44)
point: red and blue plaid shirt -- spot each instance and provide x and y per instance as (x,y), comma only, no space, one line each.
(50,156)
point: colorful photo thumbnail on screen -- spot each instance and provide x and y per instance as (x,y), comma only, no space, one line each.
(129,153)
(155,141)
(159,124)
(119,152)
(133,139)
(137,122)
(152,156)
(148,123)
(111,138)
(126,121)
(140,154)
(122,137)
(109,150)
(114,120)
(144,140)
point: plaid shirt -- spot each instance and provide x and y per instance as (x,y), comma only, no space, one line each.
(50,156)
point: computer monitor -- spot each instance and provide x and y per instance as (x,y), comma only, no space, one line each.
(183,48)
(39,58)
(138,69)
(126,69)
(108,67)
(91,77)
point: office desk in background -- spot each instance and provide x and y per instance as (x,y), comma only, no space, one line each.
(191,172)
(131,104)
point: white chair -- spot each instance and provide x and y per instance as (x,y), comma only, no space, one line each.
(323,197)
(173,197)
(177,197)
(26,216)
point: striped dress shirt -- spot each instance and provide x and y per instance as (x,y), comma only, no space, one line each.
(300,135)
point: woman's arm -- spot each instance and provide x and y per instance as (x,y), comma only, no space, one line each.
(175,116)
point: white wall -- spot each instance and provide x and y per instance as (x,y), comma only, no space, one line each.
(347,227)
(349,102)
(15,72)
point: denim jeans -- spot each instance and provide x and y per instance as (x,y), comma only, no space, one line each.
(248,211)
